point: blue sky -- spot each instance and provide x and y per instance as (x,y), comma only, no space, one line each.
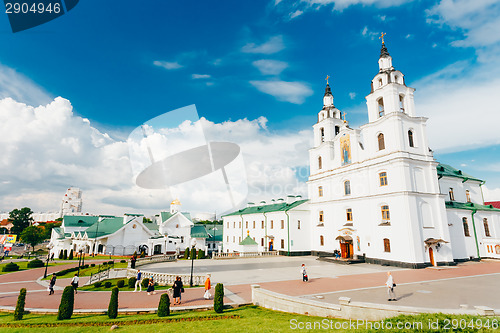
(121,63)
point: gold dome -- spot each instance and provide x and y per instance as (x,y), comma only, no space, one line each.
(175,202)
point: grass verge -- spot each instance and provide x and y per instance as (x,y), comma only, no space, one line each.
(23,266)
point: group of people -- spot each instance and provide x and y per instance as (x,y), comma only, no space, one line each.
(74,283)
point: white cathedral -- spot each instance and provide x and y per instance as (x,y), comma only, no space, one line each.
(376,193)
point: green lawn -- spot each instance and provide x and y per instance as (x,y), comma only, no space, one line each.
(245,319)
(23,265)
(88,271)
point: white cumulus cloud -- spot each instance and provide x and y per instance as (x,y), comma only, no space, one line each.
(270,67)
(273,45)
(169,65)
(293,92)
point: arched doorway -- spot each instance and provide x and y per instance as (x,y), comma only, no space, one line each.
(346,248)
(431,256)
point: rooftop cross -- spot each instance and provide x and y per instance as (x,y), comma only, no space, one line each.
(382,37)
(327,77)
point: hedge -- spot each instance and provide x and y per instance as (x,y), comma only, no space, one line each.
(35,263)
(193,253)
(164,305)
(107,284)
(186,253)
(123,261)
(21,300)
(67,304)
(145,282)
(98,284)
(65,254)
(120,283)
(131,282)
(219,298)
(10,267)
(70,255)
(113,304)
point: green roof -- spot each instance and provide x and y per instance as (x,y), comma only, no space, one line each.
(198,231)
(214,232)
(59,231)
(79,220)
(470,206)
(188,216)
(106,227)
(445,170)
(278,207)
(248,241)
(165,216)
(151,226)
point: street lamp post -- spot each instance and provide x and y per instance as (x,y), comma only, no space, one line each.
(79,261)
(46,265)
(193,244)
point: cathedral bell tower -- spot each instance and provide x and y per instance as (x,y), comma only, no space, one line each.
(329,119)
(389,92)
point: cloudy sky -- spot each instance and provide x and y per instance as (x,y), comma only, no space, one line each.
(74,89)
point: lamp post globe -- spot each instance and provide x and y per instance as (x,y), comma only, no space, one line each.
(193,245)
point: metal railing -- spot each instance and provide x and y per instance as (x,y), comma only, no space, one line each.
(102,273)
(235,255)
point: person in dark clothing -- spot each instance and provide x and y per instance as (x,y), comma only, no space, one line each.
(132,262)
(52,284)
(151,287)
(178,289)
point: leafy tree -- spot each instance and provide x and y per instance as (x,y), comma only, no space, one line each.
(48,228)
(67,304)
(21,300)
(219,298)
(113,304)
(21,219)
(32,235)
(164,306)
(146,220)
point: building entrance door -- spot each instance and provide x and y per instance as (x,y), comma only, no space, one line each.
(346,249)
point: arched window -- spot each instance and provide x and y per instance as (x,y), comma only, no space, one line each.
(385,213)
(347,187)
(321,240)
(466,227)
(467,195)
(322,133)
(452,196)
(349,214)
(402,103)
(320,217)
(387,245)
(383,178)
(486,227)
(380,82)
(381,142)
(337,130)
(320,163)
(410,138)
(320,191)
(381,111)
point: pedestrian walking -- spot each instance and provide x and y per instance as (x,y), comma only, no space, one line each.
(132,262)
(178,289)
(52,283)
(390,284)
(151,287)
(74,283)
(304,273)
(208,286)
(138,281)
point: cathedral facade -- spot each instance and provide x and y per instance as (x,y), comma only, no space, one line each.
(377,194)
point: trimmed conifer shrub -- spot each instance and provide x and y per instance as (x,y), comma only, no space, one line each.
(145,282)
(21,300)
(113,304)
(61,254)
(35,263)
(67,304)
(193,254)
(123,261)
(65,254)
(201,254)
(131,282)
(143,254)
(92,265)
(186,253)
(107,284)
(70,255)
(120,283)
(10,267)
(164,305)
(97,284)
(219,298)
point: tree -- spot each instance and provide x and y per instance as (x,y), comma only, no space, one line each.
(146,220)
(21,300)
(219,298)
(32,235)
(65,254)
(113,304)
(67,304)
(193,253)
(70,257)
(21,219)
(164,305)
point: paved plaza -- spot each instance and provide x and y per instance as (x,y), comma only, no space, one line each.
(463,286)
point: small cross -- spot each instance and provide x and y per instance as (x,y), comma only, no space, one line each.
(382,37)
(344,113)
(327,77)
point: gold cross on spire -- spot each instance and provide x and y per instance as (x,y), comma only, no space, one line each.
(343,114)
(382,37)
(327,77)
